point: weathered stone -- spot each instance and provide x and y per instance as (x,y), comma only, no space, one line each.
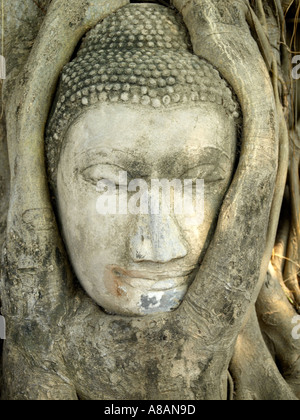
(61,340)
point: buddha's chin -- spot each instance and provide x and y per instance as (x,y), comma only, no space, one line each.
(141,297)
(134,302)
(139,293)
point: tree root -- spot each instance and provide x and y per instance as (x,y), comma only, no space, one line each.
(276,314)
(255,374)
(228,284)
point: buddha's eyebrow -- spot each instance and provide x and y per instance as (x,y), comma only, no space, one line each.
(213,156)
(106,152)
(102,152)
(211,152)
(127,158)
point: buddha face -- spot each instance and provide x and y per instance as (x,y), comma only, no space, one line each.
(141,263)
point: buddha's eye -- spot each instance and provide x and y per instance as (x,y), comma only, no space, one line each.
(99,172)
(209,173)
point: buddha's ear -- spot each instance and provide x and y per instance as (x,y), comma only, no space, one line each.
(236,263)
(34,249)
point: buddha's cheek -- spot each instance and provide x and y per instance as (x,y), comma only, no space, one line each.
(113,283)
(92,239)
(198,229)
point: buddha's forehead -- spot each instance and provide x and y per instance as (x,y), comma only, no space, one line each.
(151,132)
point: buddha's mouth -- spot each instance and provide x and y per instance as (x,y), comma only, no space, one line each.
(154,281)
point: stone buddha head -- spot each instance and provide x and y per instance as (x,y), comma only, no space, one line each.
(137,106)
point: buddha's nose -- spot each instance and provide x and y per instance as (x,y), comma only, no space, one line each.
(157,239)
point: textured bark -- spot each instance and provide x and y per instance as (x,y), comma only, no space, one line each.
(252,364)
(4,199)
(60,345)
(4,183)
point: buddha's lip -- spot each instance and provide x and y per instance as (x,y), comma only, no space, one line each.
(151,275)
(154,281)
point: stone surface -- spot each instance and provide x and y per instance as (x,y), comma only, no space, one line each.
(59,339)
